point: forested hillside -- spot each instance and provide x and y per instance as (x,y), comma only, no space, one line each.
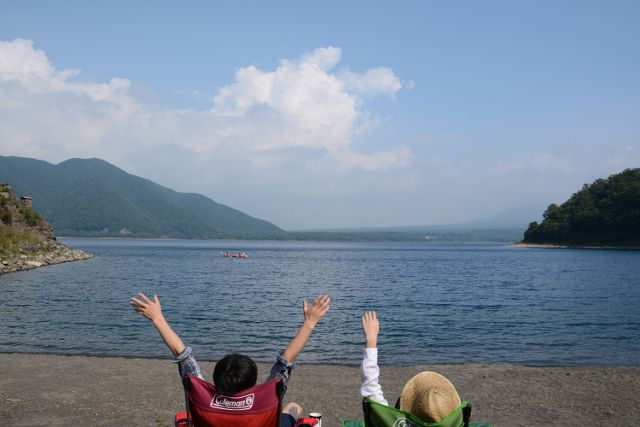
(604,213)
(90,197)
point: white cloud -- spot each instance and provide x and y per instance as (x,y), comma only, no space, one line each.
(373,82)
(20,62)
(302,104)
(299,105)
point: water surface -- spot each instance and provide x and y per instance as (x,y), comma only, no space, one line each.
(438,303)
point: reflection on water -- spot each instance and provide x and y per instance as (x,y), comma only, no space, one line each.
(437,303)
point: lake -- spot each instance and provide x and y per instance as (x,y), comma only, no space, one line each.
(437,303)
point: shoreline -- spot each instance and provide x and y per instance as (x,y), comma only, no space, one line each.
(311,363)
(445,242)
(28,261)
(37,389)
(554,246)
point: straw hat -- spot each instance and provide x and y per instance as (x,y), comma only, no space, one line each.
(429,396)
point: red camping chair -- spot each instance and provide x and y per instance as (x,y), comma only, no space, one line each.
(258,406)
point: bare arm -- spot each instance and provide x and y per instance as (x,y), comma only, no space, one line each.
(312,315)
(153,311)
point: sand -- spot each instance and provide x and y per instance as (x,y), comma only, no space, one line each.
(47,390)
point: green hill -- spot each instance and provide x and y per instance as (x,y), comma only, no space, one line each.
(90,197)
(26,239)
(604,213)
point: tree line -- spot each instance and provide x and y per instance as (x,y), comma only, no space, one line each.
(604,213)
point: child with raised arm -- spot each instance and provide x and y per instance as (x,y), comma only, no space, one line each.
(428,395)
(369,370)
(235,372)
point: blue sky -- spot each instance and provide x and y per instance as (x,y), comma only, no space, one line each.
(331,114)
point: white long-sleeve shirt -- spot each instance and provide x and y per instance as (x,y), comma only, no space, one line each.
(369,374)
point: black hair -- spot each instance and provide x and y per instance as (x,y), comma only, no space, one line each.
(234,373)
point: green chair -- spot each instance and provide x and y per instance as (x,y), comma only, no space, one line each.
(379,415)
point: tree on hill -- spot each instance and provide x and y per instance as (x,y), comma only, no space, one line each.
(90,197)
(606,212)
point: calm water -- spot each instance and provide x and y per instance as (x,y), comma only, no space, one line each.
(437,303)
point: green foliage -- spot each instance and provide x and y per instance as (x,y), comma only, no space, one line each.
(30,216)
(607,212)
(5,216)
(90,197)
(13,240)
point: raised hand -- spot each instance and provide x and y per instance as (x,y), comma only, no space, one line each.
(153,311)
(371,328)
(147,308)
(314,313)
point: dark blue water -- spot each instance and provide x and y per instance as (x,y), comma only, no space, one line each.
(438,303)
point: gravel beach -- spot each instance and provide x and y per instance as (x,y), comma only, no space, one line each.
(47,390)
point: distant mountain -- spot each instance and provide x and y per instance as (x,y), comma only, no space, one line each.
(518,217)
(603,213)
(509,221)
(90,197)
(506,226)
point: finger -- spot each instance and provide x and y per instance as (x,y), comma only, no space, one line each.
(305,306)
(155,299)
(373,315)
(317,299)
(136,301)
(144,297)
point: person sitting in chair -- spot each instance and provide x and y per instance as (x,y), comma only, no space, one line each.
(237,372)
(428,395)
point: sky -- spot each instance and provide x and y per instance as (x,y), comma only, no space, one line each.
(331,114)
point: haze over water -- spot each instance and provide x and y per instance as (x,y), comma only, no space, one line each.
(438,303)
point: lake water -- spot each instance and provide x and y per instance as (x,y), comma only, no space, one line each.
(438,303)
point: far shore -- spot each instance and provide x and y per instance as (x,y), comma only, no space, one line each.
(554,246)
(49,390)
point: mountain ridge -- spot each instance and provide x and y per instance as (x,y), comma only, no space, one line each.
(108,201)
(93,198)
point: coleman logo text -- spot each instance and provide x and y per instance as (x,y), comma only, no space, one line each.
(233,403)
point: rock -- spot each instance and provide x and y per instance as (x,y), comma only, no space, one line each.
(39,246)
